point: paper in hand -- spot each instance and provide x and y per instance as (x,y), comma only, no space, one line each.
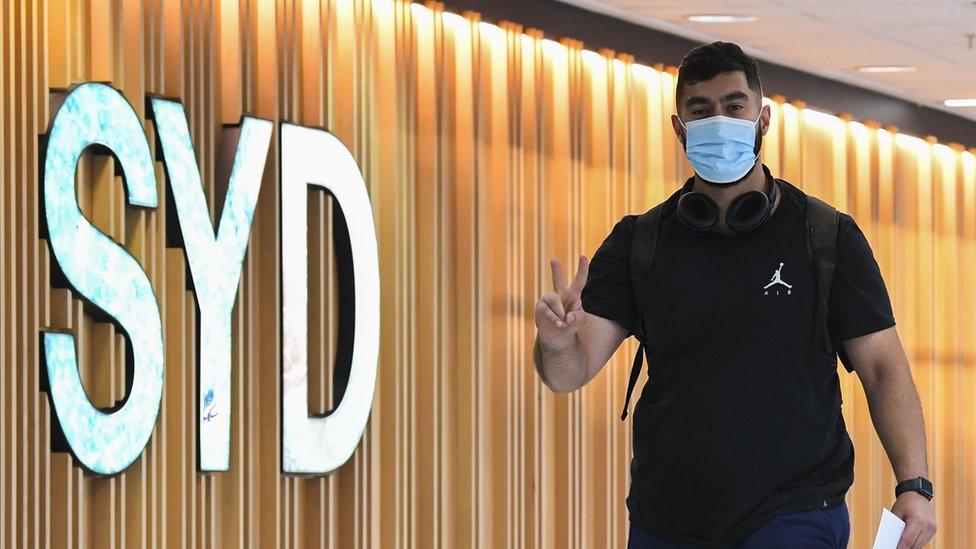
(889,531)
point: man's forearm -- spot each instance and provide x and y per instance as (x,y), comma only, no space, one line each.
(562,370)
(897,416)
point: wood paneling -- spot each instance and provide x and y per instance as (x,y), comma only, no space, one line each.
(487,150)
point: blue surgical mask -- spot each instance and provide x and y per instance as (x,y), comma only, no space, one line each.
(722,149)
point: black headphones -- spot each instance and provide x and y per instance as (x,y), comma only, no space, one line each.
(746,211)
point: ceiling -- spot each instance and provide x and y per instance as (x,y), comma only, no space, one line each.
(831,38)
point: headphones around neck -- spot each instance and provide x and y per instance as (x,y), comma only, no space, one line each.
(746,212)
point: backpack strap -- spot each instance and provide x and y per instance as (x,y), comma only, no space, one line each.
(821,223)
(642,251)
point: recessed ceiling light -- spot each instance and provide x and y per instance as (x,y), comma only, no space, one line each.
(960,102)
(720,18)
(887,68)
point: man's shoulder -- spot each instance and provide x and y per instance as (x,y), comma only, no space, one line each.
(622,234)
(846,224)
(625,226)
(630,220)
(844,220)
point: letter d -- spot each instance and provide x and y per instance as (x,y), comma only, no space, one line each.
(322,444)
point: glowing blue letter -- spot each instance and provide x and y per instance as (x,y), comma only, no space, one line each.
(215,262)
(106,275)
(322,444)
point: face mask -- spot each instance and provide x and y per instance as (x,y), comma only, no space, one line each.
(722,149)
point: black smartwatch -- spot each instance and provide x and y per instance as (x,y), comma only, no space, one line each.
(917,484)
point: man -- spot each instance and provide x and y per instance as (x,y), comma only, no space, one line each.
(739,440)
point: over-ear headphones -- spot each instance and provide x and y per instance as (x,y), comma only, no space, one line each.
(746,211)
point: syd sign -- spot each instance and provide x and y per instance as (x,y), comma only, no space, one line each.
(100,271)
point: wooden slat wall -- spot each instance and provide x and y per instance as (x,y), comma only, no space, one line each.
(487,150)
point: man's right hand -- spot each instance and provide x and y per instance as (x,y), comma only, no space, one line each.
(559,314)
(566,355)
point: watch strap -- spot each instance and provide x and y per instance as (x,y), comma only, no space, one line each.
(921,485)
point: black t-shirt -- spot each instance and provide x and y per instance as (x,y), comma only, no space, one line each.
(740,419)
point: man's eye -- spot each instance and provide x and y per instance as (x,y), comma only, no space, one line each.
(698,112)
(735,107)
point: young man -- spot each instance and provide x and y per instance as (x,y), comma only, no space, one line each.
(739,440)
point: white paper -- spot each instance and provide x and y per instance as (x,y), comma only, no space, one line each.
(889,531)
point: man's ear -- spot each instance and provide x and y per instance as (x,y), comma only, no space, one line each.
(679,131)
(764,115)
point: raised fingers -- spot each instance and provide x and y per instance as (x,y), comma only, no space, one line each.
(558,278)
(582,271)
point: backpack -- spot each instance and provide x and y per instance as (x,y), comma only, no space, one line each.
(821,227)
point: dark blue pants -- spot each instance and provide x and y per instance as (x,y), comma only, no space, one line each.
(821,529)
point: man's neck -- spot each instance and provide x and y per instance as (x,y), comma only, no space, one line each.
(755,180)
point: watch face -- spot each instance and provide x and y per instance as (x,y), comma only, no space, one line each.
(919,484)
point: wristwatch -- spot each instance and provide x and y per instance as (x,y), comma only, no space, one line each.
(917,484)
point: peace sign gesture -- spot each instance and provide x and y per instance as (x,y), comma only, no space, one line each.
(559,314)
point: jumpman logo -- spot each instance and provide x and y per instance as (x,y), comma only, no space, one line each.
(777,279)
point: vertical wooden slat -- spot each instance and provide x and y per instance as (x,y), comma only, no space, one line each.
(426,267)
(17,399)
(229,60)
(6,469)
(7,500)
(533,280)
(267,502)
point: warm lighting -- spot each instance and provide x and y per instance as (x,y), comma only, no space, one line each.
(960,102)
(884,138)
(968,166)
(944,152)
(551,46)
(720,18)
(493,31)
(822,119)
(637,67)
(859,130)
(668,82)
(648,74)
(911,141)
(887,68)
(593,57)
(454,18)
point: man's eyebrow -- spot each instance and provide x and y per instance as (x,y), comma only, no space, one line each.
(733,96)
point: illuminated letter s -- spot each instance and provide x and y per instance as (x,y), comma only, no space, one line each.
(104,273)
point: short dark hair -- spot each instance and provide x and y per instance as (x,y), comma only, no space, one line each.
(708,60)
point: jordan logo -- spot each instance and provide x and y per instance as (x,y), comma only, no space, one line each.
(777,279)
